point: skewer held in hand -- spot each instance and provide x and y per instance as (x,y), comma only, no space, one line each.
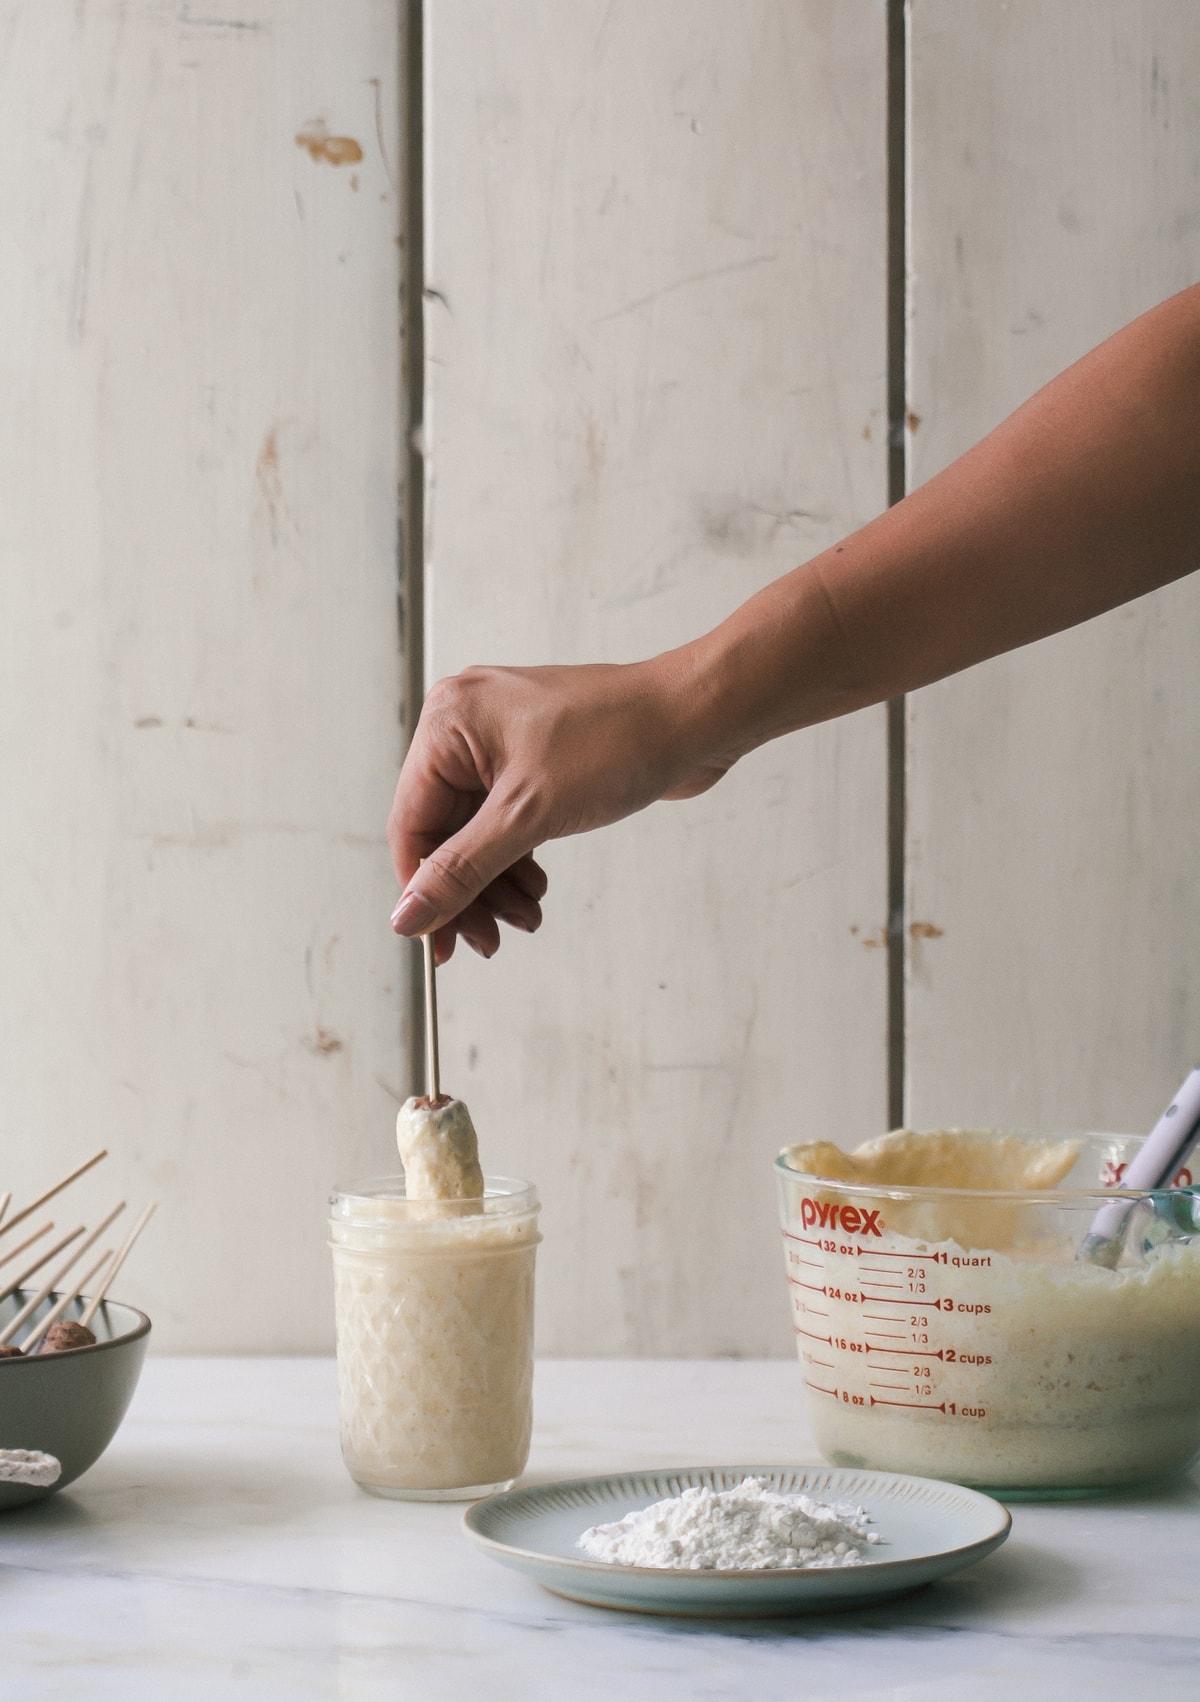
(433,1086)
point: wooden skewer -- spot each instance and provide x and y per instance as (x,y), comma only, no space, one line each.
(57,1189)
(28,1242)
(14,1324)
(20,1281)
(433,1085)
(144,1217)
(56,1311)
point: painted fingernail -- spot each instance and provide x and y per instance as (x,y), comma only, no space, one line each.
(413,914)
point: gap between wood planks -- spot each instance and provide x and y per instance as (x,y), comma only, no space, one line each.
(411,566)
(897,481)
(411,599)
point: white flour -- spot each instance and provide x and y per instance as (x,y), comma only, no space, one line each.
(750,1528)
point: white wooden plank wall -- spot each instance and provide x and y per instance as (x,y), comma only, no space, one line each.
(1053,795)
(655,339)
(199,675)
(656,259)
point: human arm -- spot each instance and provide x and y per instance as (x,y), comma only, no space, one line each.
(1087,496)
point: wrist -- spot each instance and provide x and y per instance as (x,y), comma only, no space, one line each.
(778,663)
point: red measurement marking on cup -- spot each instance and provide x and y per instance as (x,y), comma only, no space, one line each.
(902,1387)
(919,1300)
(882,1253)
(818,1388)
(805,1240)
(891,1335)
(918,1406)
(811,1337)
(825,1364)
(912,1352)
(812,1287)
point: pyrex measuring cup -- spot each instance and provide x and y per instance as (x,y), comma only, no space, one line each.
(955,1333)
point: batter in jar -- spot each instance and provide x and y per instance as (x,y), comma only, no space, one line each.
(434,1300)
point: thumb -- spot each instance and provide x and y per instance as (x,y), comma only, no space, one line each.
(454,875)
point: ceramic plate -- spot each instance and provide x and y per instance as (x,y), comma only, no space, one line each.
(928,1529)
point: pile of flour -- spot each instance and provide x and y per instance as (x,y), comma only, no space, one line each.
(750,1528)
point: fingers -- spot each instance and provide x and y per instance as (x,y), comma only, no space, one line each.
(509,902)
(443,781)
(479,928)
(514,897)
(503,901)
(429,808)
(454,875)
(444,942)
(530,877)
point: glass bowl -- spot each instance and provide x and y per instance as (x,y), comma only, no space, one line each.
(962,1333)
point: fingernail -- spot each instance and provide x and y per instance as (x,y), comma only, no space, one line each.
(413,914)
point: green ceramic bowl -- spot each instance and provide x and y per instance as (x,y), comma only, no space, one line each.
(69,1404)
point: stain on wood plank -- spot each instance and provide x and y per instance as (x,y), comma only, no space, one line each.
(317,142)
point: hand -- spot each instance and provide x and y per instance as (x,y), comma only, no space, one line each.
(504,759)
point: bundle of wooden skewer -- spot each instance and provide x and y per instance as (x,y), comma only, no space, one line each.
(52,1332)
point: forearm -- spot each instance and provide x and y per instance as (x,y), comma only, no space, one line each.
(1086,497)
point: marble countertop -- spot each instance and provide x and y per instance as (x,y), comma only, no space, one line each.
(219,1551)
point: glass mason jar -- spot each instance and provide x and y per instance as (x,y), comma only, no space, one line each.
(434,1308)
